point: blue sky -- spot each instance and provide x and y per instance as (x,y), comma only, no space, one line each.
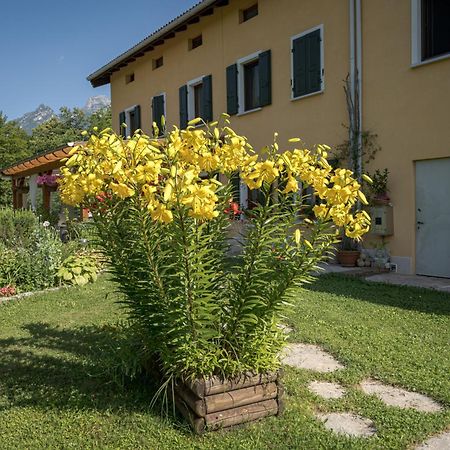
(48,47)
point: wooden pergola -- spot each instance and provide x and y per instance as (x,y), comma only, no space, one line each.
(41,164)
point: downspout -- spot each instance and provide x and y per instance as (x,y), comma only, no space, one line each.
(355,41)
(359,85)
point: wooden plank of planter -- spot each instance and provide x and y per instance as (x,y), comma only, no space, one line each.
(196,404)
(216,385)
(240,397)
(197,423)
(242,414)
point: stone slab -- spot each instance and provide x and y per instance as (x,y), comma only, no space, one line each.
(348,424)
(311,357)
(394,396)
(327,390)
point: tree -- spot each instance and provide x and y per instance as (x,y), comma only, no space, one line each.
(13,147)
(101,119)
(67,127)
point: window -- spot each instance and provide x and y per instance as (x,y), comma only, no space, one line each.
(195,42)
(157,62)
(249,85)
(307,63)
(129,78)
(435,28)
(248,13)
(159,110)
(132,118)
(196,100)
(430,30)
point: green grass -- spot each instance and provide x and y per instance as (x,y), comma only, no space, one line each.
(55,393)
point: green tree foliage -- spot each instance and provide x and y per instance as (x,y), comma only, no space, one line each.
(67,127)
(13,147)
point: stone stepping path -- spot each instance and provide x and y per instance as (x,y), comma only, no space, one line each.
(311,357)
(394,396)
(348,424)
(440,442)
(327,390)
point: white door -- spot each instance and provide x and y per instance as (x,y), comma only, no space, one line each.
(433,217)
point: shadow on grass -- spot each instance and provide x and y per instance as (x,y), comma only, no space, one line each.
(404,297)
(66,368)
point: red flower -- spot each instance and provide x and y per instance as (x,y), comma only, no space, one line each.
(233,209)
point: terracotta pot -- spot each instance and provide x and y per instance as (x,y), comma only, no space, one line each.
(381,200)
(347,258)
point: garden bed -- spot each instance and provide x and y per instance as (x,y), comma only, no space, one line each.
(214,404)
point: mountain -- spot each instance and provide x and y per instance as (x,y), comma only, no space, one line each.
(34,118)
(43,112)
(95,103)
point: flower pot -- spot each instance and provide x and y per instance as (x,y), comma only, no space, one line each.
(347,258)
(212,404)
(381,200)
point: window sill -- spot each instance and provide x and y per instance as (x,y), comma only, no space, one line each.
(430,60)
(243,113)
(293,99)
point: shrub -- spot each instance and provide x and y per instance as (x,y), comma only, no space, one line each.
(162,215)
(16,227)
(78,270)
(30,252)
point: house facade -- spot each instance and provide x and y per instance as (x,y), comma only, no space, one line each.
(281,65)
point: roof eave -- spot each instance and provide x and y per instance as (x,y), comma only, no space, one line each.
(102,76)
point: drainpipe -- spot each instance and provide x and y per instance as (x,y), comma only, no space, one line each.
(359,84)
(355,38)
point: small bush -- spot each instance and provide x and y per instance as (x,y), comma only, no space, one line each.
(30,253)
(16,227)
(78,270)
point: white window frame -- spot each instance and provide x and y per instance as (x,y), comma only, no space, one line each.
(241,85)
(322,62)
(165,109)
(190,96)
(416,37)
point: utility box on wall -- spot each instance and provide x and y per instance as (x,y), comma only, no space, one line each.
(382,220)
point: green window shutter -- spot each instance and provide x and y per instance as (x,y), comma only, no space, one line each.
(265,78)
(122,119)
(306,58)
(137,117)
(314,75)
(183,107)
(232,90)
(207,99)
(158,112)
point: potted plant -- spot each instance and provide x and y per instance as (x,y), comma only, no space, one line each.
(378,187)
(348,252)
(206,319)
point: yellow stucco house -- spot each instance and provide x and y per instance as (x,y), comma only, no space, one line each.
(281,65)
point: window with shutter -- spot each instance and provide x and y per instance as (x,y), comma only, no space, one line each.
(307,63)
(122,121)
(199,98)
(249,83)
(158,110)
(183,106)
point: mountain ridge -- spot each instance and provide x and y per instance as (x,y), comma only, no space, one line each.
(42,113)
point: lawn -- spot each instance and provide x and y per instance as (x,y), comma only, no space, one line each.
(55,393)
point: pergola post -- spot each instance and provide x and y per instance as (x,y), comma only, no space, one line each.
(14,192)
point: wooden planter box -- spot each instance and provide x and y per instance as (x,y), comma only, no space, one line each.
(214,404)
